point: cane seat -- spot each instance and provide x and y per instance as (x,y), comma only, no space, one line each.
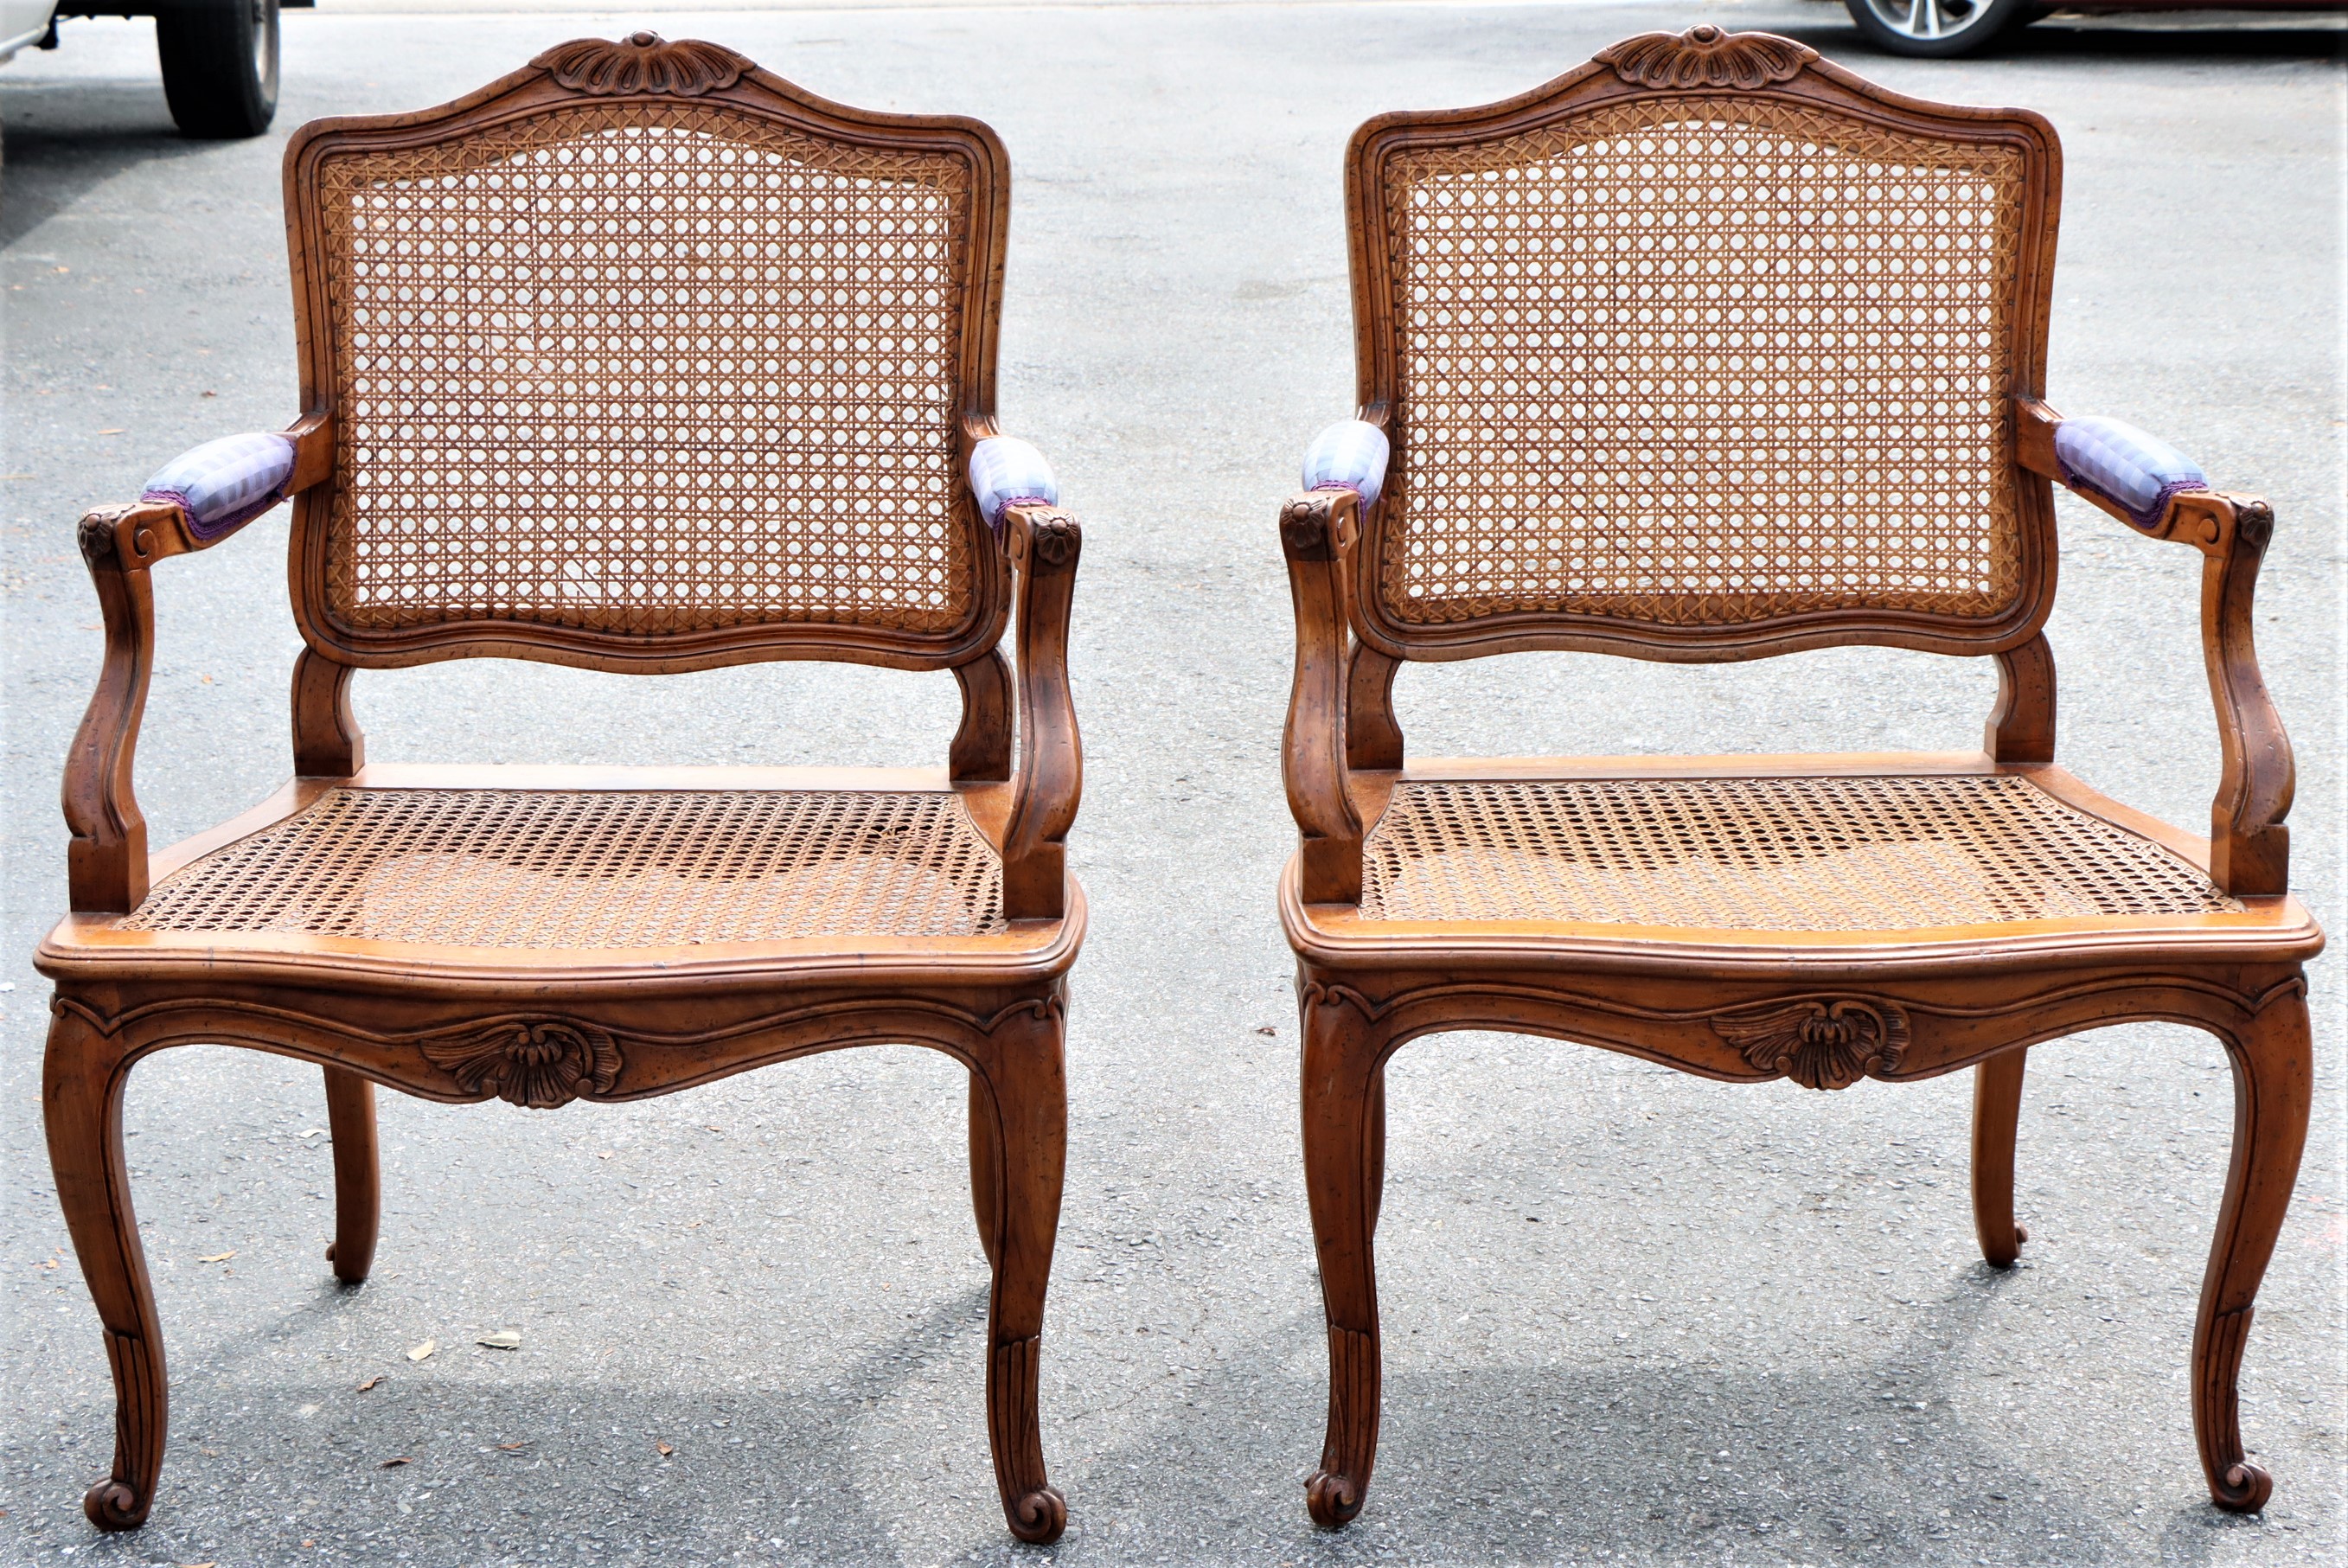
(1860,853)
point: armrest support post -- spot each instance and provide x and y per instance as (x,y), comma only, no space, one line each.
(2021,730)
(327,740)
(1045,545)
(106,864)
(1373,736)
(2249,848)
(1317,531)
(981,743)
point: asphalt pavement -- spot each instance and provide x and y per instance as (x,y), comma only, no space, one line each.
(1632,1318)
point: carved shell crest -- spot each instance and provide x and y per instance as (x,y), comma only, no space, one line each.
(643,63)
(537,1063)
(1820,1044)
(1704,57)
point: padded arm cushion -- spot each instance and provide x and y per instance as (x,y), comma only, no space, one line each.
(222,485)
(1349,455)
(2125,466)
(1004,470)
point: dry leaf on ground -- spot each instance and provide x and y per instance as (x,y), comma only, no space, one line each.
(501,1340)
(396,1464)
(218,1258)
(370,1382)
(423,1350)
(665,1449)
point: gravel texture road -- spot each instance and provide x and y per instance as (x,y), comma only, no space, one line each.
(1632,1318)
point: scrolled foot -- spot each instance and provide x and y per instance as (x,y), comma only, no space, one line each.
(1331,1500)
(2244,1489)
(2021,1232)
(1040,1516)
(114,1504)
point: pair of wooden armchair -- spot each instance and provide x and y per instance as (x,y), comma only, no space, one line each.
(642,359)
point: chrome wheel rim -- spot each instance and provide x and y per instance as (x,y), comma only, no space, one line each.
(264,46)
(1928,20)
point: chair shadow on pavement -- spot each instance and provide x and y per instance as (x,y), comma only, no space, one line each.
(1851,1455)
(58,139)
(551,1464)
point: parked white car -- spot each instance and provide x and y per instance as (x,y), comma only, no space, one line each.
(220,57)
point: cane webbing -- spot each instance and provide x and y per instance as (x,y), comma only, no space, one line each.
(552,868)
(1764,854)
(1702,362)
(646,368)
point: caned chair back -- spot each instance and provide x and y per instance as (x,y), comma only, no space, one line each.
(643,357)
(1703,351)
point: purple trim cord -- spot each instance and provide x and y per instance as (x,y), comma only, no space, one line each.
(220,527)
(2149,517)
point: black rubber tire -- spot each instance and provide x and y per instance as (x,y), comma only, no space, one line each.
(219,65)
(1984,23)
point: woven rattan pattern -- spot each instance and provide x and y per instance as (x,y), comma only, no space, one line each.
(1702,362)
(1764,854)
(643,369)
(527,868)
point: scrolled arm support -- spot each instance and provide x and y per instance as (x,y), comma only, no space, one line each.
(2249,848)
(1045,544)
(1317,532)
(191,504)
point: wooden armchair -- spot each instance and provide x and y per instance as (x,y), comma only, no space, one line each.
(1709,350)
(637,359)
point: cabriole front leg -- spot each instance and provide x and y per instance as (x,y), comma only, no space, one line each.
(1344,1162)
(2272,1072)
(1020,1086)
(81,1102)
(986,1165)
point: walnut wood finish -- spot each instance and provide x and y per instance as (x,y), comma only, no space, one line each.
(1822,1008)
(543,1026)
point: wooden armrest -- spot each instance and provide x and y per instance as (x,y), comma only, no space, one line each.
(106,864)
(1317,531)
(1045,544)
(2249,848)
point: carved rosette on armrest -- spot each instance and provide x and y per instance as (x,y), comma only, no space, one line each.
(1317,532)
(2160,492)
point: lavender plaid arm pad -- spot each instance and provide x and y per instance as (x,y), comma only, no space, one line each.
(1005,470)
(2123,466)
(222,485)
(1349,455)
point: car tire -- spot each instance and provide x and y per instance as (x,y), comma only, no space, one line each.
(1938,29)
(219,65)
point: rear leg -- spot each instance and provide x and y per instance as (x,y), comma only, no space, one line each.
(1997,1110)
(358,1176)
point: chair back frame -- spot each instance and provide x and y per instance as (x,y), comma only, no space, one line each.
(1702,66)
(646,77)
